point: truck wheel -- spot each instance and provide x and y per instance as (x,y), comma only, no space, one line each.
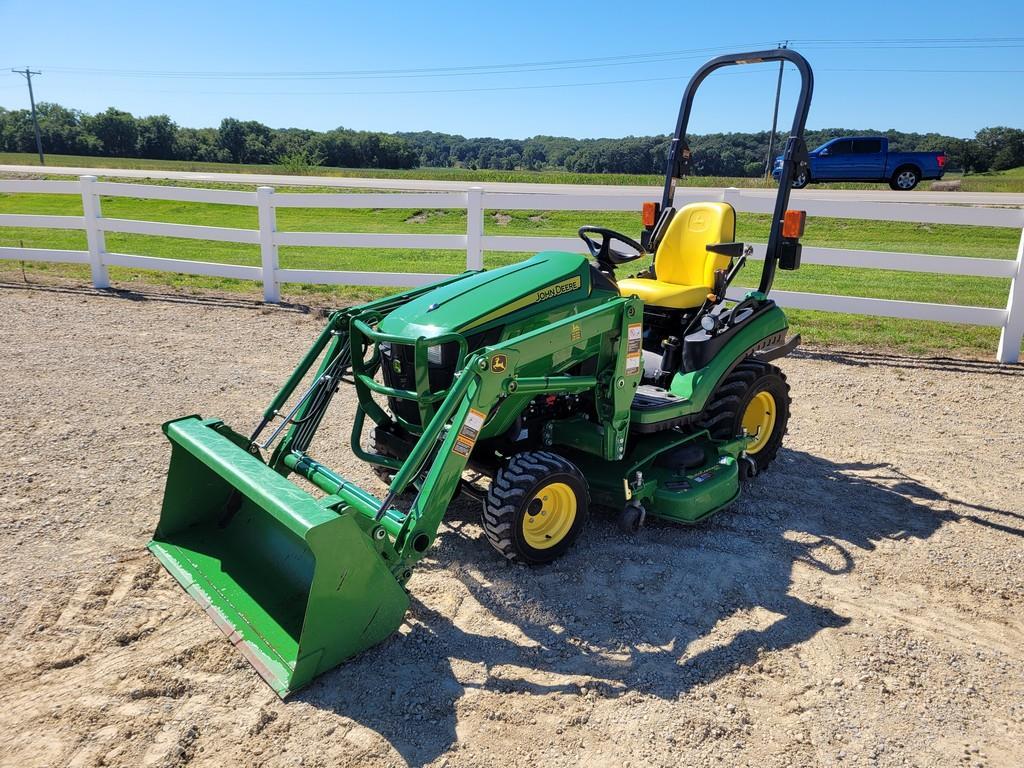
(802,179)
(536,507)
(755,398)
(905,179)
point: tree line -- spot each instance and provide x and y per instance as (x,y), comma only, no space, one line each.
(116,133)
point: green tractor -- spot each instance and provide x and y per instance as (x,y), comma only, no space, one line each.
(558,383)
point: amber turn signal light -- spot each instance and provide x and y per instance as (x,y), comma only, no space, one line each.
(650,215)
(793,224)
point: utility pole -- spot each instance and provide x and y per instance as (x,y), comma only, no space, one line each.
(775,117)
(27,74)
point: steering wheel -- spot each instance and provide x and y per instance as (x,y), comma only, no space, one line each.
(603,253)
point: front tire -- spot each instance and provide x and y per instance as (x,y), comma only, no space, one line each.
(380,446)
(802,179)
(905,179)
(536,507)
(754,397)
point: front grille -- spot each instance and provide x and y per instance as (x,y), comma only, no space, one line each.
(398,370)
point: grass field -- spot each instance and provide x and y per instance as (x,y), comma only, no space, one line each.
(910,336)
(1004,181)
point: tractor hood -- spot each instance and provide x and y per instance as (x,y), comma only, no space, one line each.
(495,297)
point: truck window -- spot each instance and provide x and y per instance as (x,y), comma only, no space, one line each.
(867,146)
(841,147)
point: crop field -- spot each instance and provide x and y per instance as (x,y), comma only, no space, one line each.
(817,327)
(997,181)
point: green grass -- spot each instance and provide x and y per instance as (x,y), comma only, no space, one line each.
(1001,181)
(911,336)
(1011,180)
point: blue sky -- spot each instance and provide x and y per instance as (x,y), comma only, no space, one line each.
(966,85)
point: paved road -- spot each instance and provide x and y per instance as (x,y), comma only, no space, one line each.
(423,185)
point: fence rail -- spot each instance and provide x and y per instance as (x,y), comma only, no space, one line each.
(474,201)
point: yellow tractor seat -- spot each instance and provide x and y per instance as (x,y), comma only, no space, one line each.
(684,267)
(658,293)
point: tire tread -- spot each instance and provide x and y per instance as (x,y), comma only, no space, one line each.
(506,494)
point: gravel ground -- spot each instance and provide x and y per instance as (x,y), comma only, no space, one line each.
(861,604)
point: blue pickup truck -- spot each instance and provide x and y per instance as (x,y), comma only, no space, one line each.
(867,158)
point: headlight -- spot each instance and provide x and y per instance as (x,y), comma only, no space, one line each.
(434,355)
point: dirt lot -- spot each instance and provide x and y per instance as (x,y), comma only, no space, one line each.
(862,604)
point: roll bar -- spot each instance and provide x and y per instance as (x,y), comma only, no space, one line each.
(794,156)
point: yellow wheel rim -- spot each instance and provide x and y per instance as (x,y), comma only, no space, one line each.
(549,516)
(759,420)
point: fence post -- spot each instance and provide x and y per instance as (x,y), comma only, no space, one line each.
(1013,329)
(268,250)
(93,234)
(475,228)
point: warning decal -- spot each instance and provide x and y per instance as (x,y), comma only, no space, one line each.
(634,350)
(469,432)
(462,446)
(471,426)
(634,338)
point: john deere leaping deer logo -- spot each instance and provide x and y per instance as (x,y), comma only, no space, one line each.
(499,363)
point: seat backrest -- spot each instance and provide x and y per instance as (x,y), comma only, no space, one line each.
(682,257)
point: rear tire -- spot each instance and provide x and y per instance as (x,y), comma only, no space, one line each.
(536,507)
(755,393)
(905,179)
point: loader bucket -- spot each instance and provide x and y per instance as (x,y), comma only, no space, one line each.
(297,587)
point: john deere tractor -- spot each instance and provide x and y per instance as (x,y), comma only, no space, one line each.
(559,383)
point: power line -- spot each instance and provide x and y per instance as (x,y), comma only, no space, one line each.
(462,70)
(27,74)
(806,40)
(322,76)
(555,86)
(925,71)
(545,66)
(542,66)
(546,86)
(413,91)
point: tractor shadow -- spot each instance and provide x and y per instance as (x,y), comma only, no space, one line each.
(643,613)
(872,358)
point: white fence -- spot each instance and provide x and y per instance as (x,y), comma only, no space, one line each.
(475,200)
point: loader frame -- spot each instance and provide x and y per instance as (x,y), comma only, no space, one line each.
(349,553)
